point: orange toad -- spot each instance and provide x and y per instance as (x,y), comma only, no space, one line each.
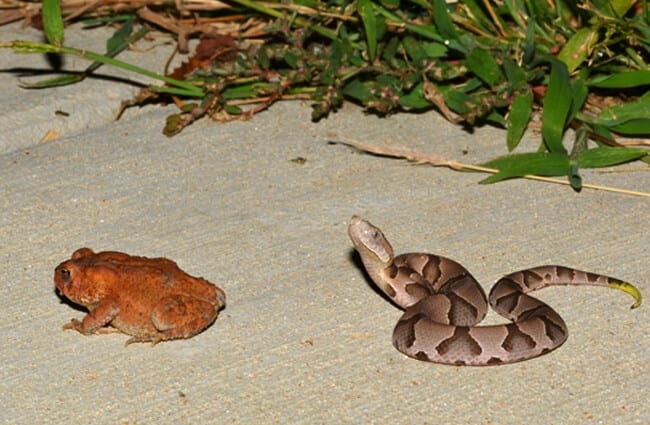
(150,299)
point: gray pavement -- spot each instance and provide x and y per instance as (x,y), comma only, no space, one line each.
(304,338)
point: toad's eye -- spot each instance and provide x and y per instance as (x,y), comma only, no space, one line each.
(65,274)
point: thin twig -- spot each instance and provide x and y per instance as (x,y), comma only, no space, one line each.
(438,161)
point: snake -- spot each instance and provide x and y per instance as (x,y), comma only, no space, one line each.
(443,304)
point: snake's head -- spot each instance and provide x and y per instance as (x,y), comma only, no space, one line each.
(374,250)
(370,242)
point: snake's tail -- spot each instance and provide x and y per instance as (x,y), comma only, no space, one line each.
(626,287)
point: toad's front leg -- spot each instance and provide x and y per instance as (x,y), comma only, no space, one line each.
(97,318)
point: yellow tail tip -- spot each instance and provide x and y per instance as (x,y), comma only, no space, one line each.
(629,288)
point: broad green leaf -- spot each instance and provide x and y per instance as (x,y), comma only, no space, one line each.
(455,99)
(628,118)
(638,127)
(622,80)
(390,49)
(518,118)
(470,85)
(576,50)
(415,99)
(496,118)
(537,163)
(357,90)
(52,22)
(514,74)
(606,156)
(557,104)
(435,50)
(483,64)
(622,6)
(367,14)
(291,59)
(414,49)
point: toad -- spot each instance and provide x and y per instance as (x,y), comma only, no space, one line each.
(151,299)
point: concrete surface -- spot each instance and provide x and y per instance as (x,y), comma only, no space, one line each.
(304,338)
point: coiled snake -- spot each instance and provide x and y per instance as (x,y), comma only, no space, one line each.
(443,303)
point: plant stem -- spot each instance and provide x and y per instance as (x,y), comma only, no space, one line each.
(32,47)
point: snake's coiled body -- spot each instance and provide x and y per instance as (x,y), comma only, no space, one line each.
(443,303)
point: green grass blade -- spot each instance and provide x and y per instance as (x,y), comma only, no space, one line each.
(62,80)
(579,92)
(537,163)
(529,45)
(443,20)
(446,26)
(119,42)
(606,156)
(20,46)
(367,14)
(513,9)
(427,31)
(116,44)
(120,38)
(518,119)
(622,80)
(557,104)
(53,22)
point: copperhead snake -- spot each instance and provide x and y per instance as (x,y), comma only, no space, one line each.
(443,304)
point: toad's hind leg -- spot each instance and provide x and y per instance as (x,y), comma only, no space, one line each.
(179,316)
